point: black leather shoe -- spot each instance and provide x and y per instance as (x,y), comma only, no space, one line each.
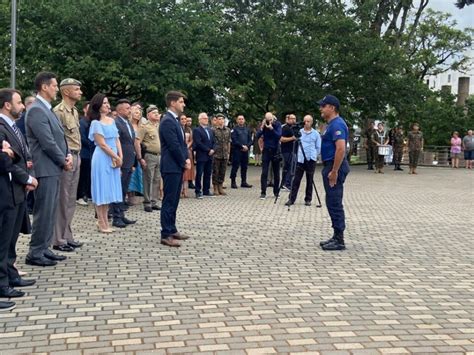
(118,223)
(148,209)
(191,185)
(54,257)
(8,292)
(233,185)
(289,203)
(42,261)
(128,221)
(7,306)
(65,248)
(244,184)
(334,245)
(19,282)
(324,242)
(156,207)
(75,244)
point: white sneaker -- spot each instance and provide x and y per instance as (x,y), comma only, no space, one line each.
(81,202)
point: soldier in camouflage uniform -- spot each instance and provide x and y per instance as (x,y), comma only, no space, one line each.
(221,155)
(369,146)
(398,144)
(415,147)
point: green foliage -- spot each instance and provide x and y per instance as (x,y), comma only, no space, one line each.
(248,56)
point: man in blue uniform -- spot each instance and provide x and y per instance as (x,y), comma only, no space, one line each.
(336,168)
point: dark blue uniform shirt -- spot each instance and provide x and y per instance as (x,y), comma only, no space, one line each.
(336,129)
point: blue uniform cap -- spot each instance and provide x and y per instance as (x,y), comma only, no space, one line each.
(329,100)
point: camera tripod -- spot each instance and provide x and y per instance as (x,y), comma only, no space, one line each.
(294,161)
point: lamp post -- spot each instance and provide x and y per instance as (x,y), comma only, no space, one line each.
(13,45)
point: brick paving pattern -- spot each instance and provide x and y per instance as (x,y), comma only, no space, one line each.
(253,279)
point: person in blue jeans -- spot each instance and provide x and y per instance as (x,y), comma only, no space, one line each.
(335,170)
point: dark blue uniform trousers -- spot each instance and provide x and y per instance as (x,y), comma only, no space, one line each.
(203,167)
(239,159)
(172,184)
(334,195)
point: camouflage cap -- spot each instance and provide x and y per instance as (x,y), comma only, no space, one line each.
(69,81)
(151,108)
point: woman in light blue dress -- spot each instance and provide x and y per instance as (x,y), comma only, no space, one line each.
(106,160)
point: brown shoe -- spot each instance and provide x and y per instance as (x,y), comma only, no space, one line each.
(216,189)
(179,236)
(221,190)
(170,242)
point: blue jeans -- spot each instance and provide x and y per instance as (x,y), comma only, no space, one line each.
(335,194)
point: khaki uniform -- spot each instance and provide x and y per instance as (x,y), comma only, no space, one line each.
(148,134)
(415,143)
(221,154)
(69,118)
(381,138)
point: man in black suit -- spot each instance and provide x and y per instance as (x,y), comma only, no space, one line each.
(174,159)
(51,156)
(203,145)
(6,202)
(11,107)
(127,140)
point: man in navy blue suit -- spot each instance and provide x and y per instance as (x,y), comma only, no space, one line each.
(174,159)
(203,145)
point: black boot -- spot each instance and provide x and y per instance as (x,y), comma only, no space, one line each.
(233,184)
(336,244)
(371,167)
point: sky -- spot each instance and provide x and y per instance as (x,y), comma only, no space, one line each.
(464,17)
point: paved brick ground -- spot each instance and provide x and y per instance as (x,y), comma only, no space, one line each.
(253,279)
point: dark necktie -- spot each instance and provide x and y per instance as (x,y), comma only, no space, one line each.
(19,136)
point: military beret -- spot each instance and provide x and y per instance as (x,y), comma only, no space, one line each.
(69,81)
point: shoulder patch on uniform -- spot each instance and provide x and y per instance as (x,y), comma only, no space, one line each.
(338,133)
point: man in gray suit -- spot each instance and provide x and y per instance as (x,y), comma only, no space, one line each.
(50,157)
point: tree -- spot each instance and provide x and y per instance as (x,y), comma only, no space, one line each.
(462,3)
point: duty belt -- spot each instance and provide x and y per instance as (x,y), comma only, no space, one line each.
(155,154)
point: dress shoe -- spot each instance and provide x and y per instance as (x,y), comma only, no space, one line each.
(289,203)
(233,185)
(128,221)
(19,282)
(55,257)
(179,236)
(156,207)
(7,306)
(118,223)
(64,247)
(328,241)
(8,292)
(41,261)
(170,242)
(75,244)
(148,209)
(191,185)
(244,184)
(334,245)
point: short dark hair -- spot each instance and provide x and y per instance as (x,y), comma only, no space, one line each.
(173,96)
(94,106)
(122,101)
(42,78)
(6,95)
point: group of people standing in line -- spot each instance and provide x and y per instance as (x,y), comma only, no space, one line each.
(380,143)
(51,160)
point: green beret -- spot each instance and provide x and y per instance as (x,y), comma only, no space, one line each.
(69,81)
